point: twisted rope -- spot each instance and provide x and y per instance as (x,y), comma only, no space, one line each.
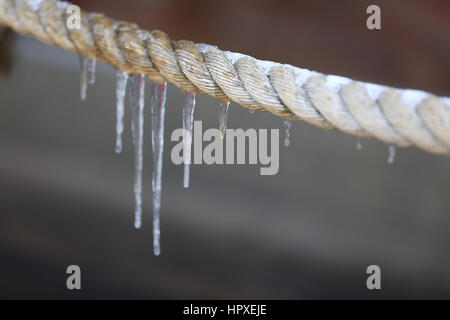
(400,117)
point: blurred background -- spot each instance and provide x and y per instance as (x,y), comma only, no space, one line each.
(308,232)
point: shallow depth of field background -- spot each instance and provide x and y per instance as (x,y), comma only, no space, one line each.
(308,232)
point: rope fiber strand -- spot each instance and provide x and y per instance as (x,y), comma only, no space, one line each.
(401,117)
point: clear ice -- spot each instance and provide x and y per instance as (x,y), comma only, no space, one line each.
(87,66)
(137,88)
(91,63)
(121,89)
(223,114)
(358,145)
(391,156)
(188,121)
(158,102)
(84,77)
(287,132)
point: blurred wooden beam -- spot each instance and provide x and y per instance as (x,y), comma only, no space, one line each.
(6,38)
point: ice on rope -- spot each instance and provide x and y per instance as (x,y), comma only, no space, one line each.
(223,115)
(137,88)
(87,68)
(121,90)
(391,156)
(158,102)
(188,121)
(83,77)
(287,132)
(358,145)
(91,63)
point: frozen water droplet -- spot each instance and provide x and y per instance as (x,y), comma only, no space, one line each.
(251,110)
(84,77)
(87,67)
(223,114)
(158,102)
(91,63)
(391,156)
(287,132)
(121,89)
(137,88)
(188,122)
(358,145)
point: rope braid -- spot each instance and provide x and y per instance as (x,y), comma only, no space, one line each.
(399,117)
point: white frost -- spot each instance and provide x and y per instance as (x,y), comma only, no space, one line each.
(374,90)
(203,47)
(34,4)
(302,75)
(335,83)
(235,56)
(265,66)
(332,82)
(413,97)
(446,101)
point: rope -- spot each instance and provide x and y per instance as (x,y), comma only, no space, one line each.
(401,117)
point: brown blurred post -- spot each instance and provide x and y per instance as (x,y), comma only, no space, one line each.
(6,39)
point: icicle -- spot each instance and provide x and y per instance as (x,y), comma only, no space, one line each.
(87,74)
(137,86)
(121,89)
(287,132)
(91,62)
(358,145)
(223,114)
(391,157)
(158,102)
(84,77)
(188,121)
